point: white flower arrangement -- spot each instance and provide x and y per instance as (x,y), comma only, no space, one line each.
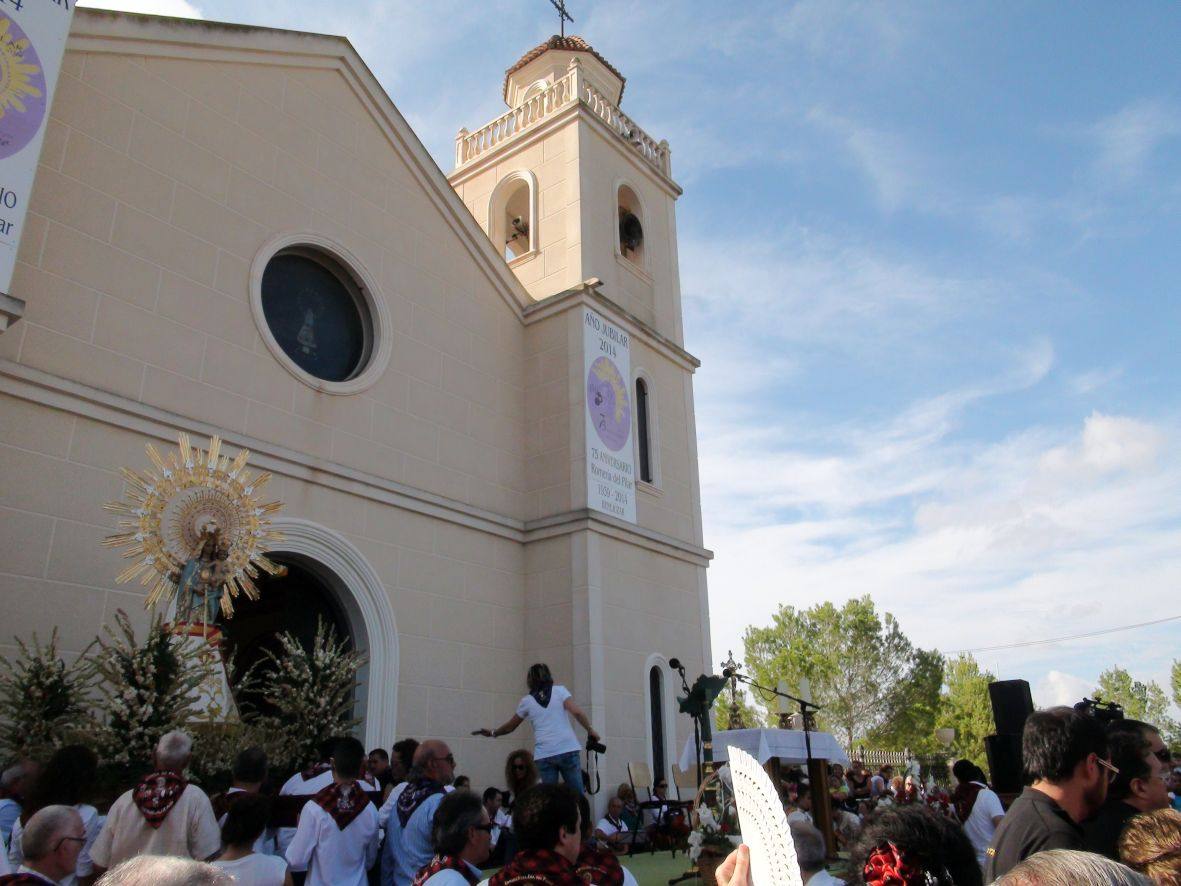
(307,696)
(144,690)
(42,700)
(707,833)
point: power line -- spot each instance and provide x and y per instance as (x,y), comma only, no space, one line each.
(1143,624)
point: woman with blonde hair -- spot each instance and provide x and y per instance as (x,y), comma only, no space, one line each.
(520,774)
(1151,844)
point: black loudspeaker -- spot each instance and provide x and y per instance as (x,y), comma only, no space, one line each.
(1004,763)
(1011,704)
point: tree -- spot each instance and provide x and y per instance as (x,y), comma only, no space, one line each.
(1177,682)
(1141,701)
(853,658)
(966,707)
(752,716)
(913,707)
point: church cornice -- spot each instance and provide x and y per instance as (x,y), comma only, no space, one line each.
(587,293)
(76,398)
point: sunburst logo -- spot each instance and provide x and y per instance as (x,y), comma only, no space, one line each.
(16,74)
(22,88)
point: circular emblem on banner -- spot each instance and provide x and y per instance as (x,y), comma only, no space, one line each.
(606,399)
(22,88)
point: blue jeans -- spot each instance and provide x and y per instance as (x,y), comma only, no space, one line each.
(567,765)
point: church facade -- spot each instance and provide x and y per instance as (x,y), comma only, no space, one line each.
(471,388)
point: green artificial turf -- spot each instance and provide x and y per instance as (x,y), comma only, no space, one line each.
(657,868)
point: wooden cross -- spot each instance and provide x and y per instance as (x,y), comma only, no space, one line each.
(563,15)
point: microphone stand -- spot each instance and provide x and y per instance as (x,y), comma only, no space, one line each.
(696,724)
(806,711)
(806,708)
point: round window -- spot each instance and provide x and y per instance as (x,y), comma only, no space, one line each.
(317,314)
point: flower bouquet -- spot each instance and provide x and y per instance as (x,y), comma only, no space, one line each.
(710,842)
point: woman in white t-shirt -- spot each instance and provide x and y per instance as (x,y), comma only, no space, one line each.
(549,708)
(245,822)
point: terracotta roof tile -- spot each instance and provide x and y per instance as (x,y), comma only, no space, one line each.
(568,44)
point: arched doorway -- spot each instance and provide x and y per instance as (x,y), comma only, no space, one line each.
(356,596)
(294,603)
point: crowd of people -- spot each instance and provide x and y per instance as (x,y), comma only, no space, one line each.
(397,818)
(1103,805)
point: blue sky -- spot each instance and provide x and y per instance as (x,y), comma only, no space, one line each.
(929,257)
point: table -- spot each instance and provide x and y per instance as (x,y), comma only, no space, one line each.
(785,745)
(773,747)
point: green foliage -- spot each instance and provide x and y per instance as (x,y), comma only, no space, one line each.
(913,707)
(1141,701)
(306,697)
(752,716)
(855,660)
(965,707)
(1176,681)
(42,700)
(144,690)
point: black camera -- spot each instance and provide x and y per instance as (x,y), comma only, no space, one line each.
(1106,712)
(596,746)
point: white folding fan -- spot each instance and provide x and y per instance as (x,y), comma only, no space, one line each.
(764,825)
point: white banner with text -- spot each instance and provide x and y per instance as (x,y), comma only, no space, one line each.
(32,42)
(610,464)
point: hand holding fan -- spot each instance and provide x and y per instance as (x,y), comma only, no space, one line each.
(764,825)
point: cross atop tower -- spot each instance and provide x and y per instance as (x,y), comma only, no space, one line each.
(563,15)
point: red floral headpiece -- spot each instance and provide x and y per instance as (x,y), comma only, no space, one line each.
(888,866)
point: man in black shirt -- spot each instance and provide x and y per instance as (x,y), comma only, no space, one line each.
(1143,762)
(1065,759)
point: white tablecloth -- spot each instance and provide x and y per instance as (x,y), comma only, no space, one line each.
(763,744)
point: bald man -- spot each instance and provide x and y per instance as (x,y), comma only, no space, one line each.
(50,842)
(408,846)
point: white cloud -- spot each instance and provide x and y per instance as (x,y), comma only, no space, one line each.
(1045,532)
(1058,688)
(176,8)
(1094,379)
(1127,139)
(900,175)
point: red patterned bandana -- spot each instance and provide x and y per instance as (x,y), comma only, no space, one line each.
(343,802)
(542,866)
(599,866)
(965,798)
(157,794)
(445,863)
(414,795)
(888,866)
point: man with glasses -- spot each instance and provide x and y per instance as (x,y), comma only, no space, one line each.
(1143,762)
(408,843)
(50,842)
(1065,759)
(463,842)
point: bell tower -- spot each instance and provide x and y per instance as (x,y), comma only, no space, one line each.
(569,188)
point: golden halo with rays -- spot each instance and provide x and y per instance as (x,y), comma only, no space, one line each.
(15,73)
(167,507)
